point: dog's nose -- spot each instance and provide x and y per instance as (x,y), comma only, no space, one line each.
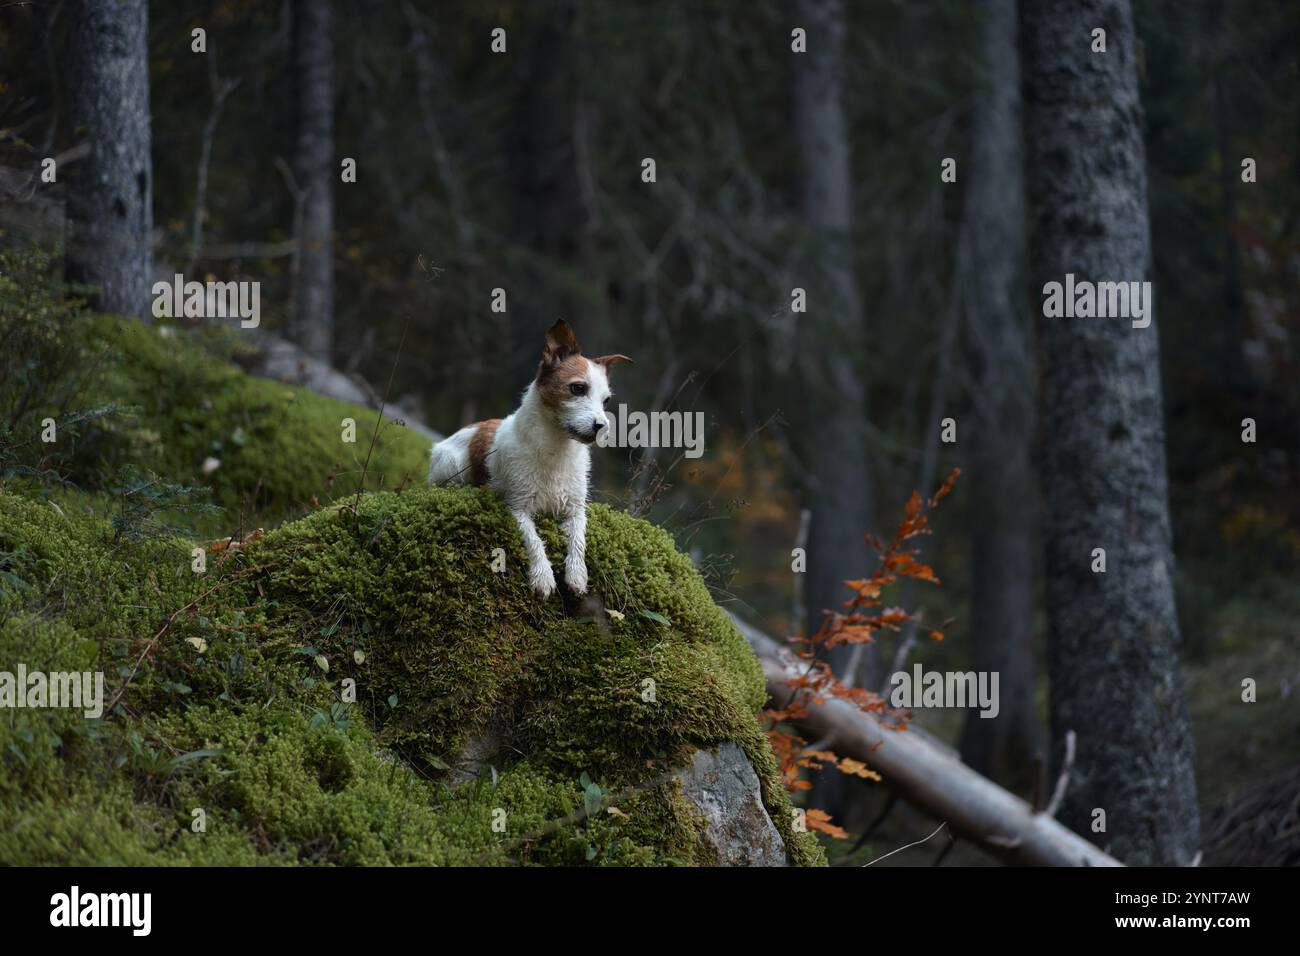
(598,424)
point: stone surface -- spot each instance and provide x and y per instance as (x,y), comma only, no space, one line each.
(724,788)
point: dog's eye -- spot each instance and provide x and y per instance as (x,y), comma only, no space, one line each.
(607,398)
(578,388)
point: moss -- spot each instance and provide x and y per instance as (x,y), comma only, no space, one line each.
(167,399)
(233,713)
(280,449)
(311,697)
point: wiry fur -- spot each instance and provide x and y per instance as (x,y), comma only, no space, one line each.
(538,459)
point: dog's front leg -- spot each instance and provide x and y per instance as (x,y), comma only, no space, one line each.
(575,559)
(540,575)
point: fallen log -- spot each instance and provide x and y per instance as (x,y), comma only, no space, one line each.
(930,776)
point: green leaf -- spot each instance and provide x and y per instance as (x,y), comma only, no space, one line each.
(323,663)
(193,755)
(655,616)
(591,799)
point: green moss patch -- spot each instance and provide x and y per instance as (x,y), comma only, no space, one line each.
(309,698)
(361,685)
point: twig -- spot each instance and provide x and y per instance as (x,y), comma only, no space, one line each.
(874,824)
(1058,795)
(221,88)
(374,436)
(153,641)
(907,847)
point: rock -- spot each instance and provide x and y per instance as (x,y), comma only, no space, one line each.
(279,359)
(724,788)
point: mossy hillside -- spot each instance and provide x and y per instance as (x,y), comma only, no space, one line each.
(165,399)
(280,448)
(234,713)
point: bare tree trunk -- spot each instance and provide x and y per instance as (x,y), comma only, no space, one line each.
(834,426)
(1233,354)
(1113,660)
(991,285)
(314,170)
(547,213)
(110,191)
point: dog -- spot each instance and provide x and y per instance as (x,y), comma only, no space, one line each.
(539,458)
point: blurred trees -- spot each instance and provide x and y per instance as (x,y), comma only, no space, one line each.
(315,170)
(990,282)
(521,170)
(1113,639)
(832,417)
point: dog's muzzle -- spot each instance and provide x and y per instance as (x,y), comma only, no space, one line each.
(587,438)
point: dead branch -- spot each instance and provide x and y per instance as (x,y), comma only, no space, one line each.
(930,777)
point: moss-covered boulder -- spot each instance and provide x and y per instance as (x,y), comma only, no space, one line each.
(168,401)
(311,697)
(366,683)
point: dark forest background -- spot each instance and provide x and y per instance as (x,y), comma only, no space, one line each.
(821,171)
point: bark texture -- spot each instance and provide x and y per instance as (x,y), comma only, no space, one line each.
(833,419)
(837,397)
(110,190)
(548,217)
(1113,644)
(991,277)
(314,169)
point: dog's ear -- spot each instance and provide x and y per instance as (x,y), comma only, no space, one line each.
(560,343)
(608,361)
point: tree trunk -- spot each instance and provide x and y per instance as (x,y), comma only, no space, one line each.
(1233,350)
(835,410)
(991,286)
(110,191)
(547,214)
(1113,646)
(314,170)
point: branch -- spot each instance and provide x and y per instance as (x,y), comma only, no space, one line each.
(930,777)
(1063,781)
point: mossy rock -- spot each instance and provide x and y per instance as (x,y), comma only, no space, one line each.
(169,401)
(236,715)
(280,449)
(359,686)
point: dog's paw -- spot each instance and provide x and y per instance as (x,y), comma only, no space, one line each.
(542,579)
(575,576)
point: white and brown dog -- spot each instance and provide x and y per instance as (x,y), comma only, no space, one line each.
(538,459)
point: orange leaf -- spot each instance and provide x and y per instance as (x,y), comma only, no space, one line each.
(856,768)
(820,821)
